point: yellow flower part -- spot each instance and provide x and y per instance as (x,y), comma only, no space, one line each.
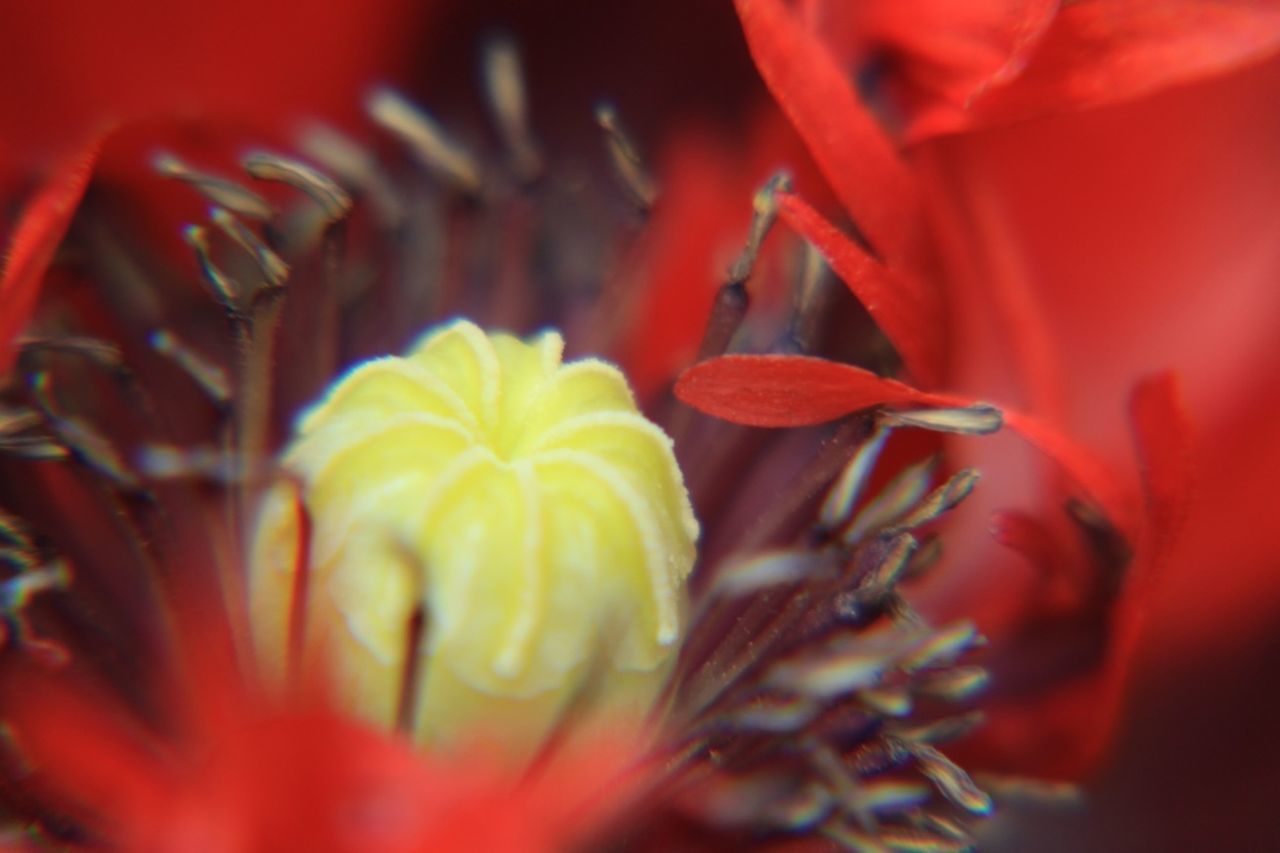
(488,532)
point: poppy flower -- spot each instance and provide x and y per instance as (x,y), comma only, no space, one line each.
(807,695)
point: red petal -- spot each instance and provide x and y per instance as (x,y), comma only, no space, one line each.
(941,54)
(1162,434)
(120,62)
(1102,51)
(788,391)
(85,752)
(906,310)
(1068,729)
(1085,468)
(993,275)
(40,229)
(852,150)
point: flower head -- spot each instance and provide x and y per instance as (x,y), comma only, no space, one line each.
(432,535)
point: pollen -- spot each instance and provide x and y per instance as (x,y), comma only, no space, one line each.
(474,535)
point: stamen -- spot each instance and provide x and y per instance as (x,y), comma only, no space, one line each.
(332,199)
(765,212)
(86,444)
(973,420)
(940,500)
(208,377)
(426,139)
(33,448)
(956,684)
(764,570)
(273,267)
(357,168)
(504,84)
(99,352)
(626,160)
(852,481)
(733,299)
(727,313)
(15,532)
(225,289)
(14,422)
(16,593)
(211,464)
(893,501)
(221,191)
(951,780)
(811,302)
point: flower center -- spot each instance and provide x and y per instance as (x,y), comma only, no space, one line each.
(485,520)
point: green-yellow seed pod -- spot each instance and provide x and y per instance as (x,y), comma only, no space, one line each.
(514,516)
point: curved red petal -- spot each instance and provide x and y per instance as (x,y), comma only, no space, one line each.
(1102,51)
(854,153)
(40,229)
(787,391)
(1069,728)
(1163,439)
(85,751)
(1084,467)
(905,308)
(942,54)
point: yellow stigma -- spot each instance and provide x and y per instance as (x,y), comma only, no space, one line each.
(513,515)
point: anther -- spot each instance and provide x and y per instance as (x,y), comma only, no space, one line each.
(940,500)
(333,200)
(273,267)
(504,83)
(221,191)
(101,353)
(764,205)
(211,464)
(356,167)
(626,159)
(852,481)
(86,444)
(209,377)
(426,139)
(225,290)
(979,419)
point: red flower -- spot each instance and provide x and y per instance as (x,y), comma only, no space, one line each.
(1054,266)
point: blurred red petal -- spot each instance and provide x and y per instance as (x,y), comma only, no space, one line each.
(1102,51)
(942,54)
(85,753)
(905,308)
(41,227)
(83,65)
(1083,466)
(1065,731)
(852,150)
(1163,438)
(786,391)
